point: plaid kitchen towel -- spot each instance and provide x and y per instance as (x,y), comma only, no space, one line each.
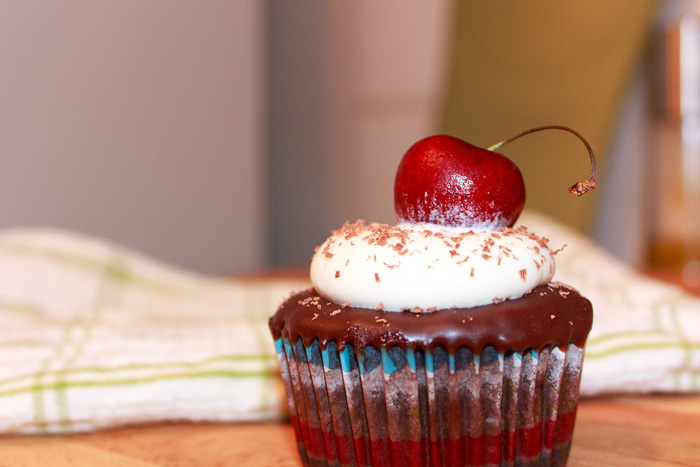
(646,334)
(93,335)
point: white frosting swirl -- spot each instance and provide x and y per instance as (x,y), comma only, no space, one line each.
(426,267)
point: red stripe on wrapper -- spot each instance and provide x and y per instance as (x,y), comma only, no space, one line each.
(524,443)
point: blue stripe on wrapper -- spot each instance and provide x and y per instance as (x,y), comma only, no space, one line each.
(288,347)
(387,363)
(279,346)
(429,362)
(345,359)
(326,359)
(411,357)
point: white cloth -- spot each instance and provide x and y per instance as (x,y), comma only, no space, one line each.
(93,335)
(646,334)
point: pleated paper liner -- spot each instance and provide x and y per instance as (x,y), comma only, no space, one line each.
(412,407)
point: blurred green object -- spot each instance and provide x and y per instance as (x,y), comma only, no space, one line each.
(517,65)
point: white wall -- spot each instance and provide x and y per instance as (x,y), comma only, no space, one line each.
(151,123)
(390,64)
(141,122)
(354,84)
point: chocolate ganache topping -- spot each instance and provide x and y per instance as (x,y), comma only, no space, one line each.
(549,315)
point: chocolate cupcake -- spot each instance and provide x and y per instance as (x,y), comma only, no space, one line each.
(427,344)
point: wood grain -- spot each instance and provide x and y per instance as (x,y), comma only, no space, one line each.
(638,431)
(641,431)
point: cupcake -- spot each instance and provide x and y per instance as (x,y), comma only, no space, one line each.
(442,340)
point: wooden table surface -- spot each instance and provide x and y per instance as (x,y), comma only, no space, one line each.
(622,431)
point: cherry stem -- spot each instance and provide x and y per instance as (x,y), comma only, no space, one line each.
(577,189)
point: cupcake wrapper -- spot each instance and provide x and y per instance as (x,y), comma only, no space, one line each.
(396,407)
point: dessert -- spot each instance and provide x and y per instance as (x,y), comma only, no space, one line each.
(442,340)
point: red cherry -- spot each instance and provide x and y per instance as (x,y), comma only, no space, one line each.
(444,180)
(447,181)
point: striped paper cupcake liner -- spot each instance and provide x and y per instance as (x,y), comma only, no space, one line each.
(416,407)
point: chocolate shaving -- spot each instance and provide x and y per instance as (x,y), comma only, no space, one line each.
(558,250)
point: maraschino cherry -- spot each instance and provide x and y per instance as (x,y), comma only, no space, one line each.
(444,180)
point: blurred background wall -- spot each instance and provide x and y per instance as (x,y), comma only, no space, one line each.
(233,136)
(215,135)
(353,85)
(139,122)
